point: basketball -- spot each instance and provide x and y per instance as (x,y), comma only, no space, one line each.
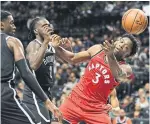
(134,21)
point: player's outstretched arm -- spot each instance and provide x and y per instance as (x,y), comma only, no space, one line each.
(74,58)
(71,57)
(120,72)
(17,49)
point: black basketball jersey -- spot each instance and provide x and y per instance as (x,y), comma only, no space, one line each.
(45,73)
(7,60)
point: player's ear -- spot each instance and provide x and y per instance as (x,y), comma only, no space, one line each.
(35,31)
(2,25)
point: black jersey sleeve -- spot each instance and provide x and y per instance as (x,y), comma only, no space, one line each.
(30,80)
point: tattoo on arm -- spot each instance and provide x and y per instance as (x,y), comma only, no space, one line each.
(121,73)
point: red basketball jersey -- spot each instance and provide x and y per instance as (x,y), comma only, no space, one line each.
(94,87)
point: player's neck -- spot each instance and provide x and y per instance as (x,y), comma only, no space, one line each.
(39,38)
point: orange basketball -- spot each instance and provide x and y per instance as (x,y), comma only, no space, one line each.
(134,21)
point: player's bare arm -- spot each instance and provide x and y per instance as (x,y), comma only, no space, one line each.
(77,57)
(35,54)
(71,57)
(119,72)
(114,102)
(113,99)
(17,49)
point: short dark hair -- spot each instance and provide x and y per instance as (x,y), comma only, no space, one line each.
(34,21)
(4,15)
(135,43)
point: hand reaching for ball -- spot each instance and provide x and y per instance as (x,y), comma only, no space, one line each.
(108,47)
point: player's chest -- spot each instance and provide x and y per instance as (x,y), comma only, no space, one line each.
(49,57)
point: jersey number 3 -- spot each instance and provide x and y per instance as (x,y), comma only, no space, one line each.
(96,80)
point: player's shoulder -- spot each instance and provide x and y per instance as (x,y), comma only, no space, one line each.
(97,46)
(33,43)
(11,38)
(95,49)
(13,41)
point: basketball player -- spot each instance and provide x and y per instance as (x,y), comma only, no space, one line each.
(106,68)
(12,110)
(122,118)
(41,57)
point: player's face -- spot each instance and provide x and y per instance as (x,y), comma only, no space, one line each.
(45,23)
(122,113)
(8,25)
(123,47)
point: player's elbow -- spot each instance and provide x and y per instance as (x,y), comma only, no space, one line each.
(71,60)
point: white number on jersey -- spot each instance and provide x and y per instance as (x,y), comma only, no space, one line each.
(96,80)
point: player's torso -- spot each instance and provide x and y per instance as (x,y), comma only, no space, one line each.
(45,73)
(97,82)
(7,60)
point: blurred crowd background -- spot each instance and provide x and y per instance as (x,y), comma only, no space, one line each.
(86,24)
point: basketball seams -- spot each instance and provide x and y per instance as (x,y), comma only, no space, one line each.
(125,19)
(134,21)
(146,22)
(143,25)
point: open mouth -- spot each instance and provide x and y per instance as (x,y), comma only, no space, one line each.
(50,31)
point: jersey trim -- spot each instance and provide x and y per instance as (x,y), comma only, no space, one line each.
(97,53)
(24,111)
(38,109)
(36,40)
